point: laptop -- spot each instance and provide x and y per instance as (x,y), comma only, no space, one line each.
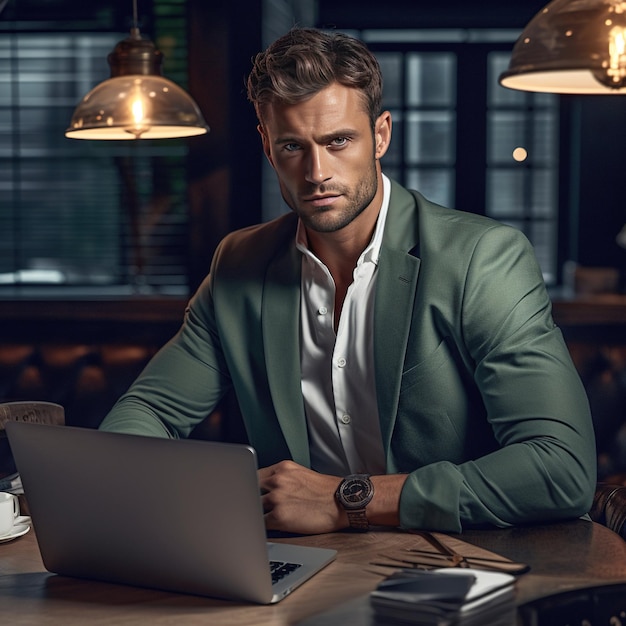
(177,515)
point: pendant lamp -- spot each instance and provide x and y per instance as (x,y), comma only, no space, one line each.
(137,102)
(572,47)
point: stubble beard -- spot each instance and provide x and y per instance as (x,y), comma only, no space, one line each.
(362,196)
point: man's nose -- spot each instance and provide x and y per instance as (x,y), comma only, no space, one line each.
(318,166)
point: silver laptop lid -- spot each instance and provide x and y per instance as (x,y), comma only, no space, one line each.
(179,515)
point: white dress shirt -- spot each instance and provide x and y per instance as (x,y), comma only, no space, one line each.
(338,382)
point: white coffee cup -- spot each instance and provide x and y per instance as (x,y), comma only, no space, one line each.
(9,512)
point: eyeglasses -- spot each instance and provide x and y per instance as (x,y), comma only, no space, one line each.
(445,556)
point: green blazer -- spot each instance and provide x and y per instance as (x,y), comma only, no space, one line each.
(478,399)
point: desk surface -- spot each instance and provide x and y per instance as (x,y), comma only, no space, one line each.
(562,557)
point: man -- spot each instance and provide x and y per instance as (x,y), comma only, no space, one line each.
(372,333)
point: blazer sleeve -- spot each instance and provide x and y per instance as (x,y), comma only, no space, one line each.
(181,384)
(544,466)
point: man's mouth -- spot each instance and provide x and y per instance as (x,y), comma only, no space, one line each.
(321,200)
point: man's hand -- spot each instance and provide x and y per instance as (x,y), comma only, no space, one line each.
(299,500)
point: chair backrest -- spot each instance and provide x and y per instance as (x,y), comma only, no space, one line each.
(609,507)
(40,412)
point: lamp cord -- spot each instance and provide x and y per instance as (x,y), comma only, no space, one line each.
(134,30)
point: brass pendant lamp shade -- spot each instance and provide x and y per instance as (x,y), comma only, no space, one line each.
(137,102)
(572,47)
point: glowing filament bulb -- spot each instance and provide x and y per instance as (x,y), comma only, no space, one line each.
(137,108)
(617,50)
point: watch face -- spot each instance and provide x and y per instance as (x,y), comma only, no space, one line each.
(356,492)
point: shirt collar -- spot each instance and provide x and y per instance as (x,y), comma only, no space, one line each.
(372,251)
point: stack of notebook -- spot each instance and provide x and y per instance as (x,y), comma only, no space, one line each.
(442,597)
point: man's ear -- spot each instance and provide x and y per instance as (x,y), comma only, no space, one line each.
(266,144)
(382,134)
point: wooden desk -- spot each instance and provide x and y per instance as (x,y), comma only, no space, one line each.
(564,556)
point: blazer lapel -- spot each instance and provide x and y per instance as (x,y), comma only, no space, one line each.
(396,288)
(395,295)
(281,338)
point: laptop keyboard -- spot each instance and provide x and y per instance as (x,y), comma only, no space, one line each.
(280,569)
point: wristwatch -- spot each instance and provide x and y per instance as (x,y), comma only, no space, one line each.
(354,493)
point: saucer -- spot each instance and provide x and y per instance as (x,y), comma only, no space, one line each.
(18,531)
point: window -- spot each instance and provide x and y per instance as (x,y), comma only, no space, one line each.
(420,92)
(464,141)
(522,162)
(100,217)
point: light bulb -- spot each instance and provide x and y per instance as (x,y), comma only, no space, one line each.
(617,58)
(140,112)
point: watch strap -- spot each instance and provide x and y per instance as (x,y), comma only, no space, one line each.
(358,519)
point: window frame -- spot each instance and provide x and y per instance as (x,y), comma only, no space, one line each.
(472,49)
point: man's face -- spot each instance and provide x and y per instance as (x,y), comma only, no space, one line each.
(326,156)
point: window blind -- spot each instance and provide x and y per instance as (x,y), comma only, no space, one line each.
(84,215)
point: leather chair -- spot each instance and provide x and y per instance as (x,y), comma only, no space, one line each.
(609,507)
(40,412)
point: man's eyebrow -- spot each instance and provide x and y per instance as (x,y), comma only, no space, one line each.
(341,132)
(322,139)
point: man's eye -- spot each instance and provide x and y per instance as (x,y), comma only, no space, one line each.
(339,141)
(291,147)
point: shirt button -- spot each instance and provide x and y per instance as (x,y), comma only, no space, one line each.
(341,362)
(345,419)
(322,310)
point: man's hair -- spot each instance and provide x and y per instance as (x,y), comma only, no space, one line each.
(306,60)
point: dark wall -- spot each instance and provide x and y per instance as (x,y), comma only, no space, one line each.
(224,166)
(600,179)
(427,14)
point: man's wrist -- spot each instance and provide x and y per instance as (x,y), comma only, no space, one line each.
(384,509)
